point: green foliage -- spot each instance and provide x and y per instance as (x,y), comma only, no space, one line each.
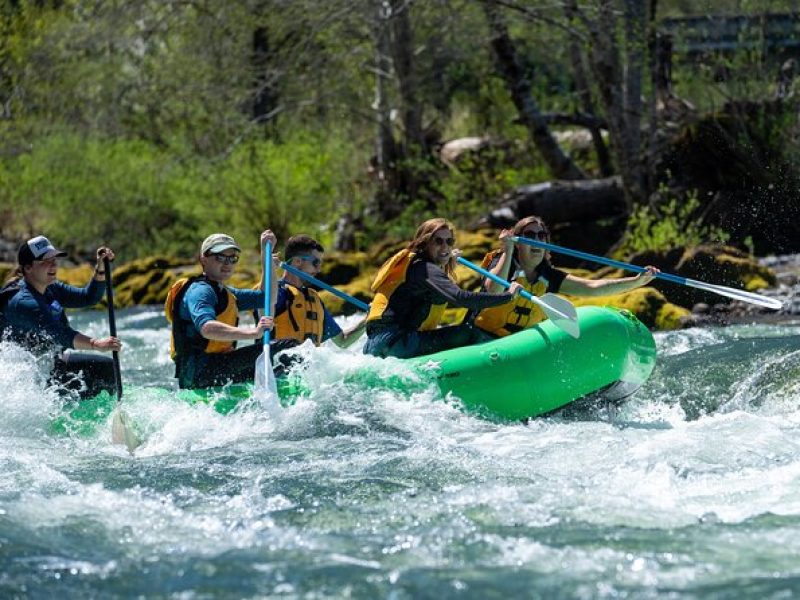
(132,121)
(132,195)
(467,191)
(674,224)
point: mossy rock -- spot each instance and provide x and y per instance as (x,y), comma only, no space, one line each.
(648,304)
(339,268)
(78,276)
(148,264)
(359,288)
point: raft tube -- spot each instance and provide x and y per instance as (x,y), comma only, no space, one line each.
(542,369)
(524,375)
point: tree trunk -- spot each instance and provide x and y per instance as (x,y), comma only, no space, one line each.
(384,167)
(508,64)
(635,16)
(585,94)
(562,202)
(617,92)
(403,54)
(265,99)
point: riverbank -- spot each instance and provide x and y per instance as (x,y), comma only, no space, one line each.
(661,306)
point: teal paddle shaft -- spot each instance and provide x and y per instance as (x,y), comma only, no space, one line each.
(742,295)
(267,291)
(311,279)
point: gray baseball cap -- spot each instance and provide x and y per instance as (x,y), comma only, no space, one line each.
(218,242)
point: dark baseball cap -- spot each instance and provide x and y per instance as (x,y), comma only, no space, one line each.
(38,248)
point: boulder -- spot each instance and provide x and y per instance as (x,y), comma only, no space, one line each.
(648,304)
(716,264)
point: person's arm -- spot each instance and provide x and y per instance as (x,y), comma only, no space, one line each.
(502,267)
(345,339)
(107,344)
(200,302)
(579,286)
(74,297)
(70,296)
(443,287)
(251,299)
(27,315)
(217,330)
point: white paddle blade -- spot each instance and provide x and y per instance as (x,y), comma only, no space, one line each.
(122,432)
(562,313)
(266,390)
(741,295)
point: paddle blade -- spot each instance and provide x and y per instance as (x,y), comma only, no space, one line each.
(741,295)
(562,313)
(122,432)
(266,389)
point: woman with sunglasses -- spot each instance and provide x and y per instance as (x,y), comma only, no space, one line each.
(32,313)
(531,268)
(413,288)
(300,313)
(204,316)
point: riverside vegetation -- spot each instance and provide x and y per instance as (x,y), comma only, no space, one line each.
(147,125)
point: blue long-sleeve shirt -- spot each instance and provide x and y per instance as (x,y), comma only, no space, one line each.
(201,299)
(38,320)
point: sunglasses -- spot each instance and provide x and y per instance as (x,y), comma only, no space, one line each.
(442,241)
(315,262)
(539,234)
(225,259)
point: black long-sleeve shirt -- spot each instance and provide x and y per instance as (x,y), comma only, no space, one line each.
(427,284)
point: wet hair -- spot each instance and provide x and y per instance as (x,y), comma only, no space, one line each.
(16,275)
(298,245)
(419,245)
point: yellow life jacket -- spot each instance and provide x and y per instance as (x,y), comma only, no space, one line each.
(304,317)
(225,310)
(389,277)
(515,315)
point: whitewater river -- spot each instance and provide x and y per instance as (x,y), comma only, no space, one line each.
(691,489)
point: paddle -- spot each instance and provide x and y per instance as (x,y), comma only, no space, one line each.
(728,292)
(346,297)
(121,431)
(559,310)
(266,390)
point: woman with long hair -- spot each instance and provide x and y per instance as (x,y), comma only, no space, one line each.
(412,290)
(531,268)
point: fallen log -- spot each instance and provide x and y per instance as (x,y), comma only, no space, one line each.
(561,202)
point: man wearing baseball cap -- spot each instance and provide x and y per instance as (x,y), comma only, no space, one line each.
(32,306)
(204,316)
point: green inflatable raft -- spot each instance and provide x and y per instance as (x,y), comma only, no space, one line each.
(528,374)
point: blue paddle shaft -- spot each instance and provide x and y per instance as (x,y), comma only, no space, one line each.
(346,297)
(267,290)
(599,259)
(524,293)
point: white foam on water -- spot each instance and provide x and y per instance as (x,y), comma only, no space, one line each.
(26,400)
(362,473)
